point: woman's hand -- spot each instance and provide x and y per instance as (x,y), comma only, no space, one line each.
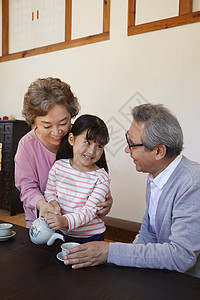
(56,221)
(87,255)
(105,206)
(56,207)
(44,207)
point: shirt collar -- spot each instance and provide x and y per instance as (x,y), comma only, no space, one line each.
(162,178)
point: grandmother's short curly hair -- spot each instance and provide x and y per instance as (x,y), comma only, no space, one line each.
(43,94)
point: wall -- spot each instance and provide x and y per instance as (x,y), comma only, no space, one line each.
(159,67)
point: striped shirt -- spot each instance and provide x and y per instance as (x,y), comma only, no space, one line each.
(78,193)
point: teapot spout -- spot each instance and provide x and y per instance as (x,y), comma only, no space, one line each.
(54,237)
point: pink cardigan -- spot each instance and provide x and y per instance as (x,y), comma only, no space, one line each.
(32,164)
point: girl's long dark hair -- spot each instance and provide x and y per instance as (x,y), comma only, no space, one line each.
(96,131)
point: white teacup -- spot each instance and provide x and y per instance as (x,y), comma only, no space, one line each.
(5,229)
(66,246)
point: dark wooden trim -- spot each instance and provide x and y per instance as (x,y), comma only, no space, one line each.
(120,230)
(186,16)
(185,7)
(166,23)
(5,27)
(55,47)
(68,20)
(106,16)
(131,12)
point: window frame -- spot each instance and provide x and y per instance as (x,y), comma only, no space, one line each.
(186,16)
(68,43)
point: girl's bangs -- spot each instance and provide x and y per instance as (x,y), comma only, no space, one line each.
(100,135)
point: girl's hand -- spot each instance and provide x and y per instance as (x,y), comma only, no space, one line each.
(56,221)
(56,207)
(105,206)
(44,207)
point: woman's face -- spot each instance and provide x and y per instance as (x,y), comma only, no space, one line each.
(51,128)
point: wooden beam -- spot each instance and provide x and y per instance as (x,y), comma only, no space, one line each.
(5,28)
(185,7)
(68,20)
(106,16)
(131,12)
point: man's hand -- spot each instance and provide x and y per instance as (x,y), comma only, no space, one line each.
(56,221)
(87,255)
(105,206)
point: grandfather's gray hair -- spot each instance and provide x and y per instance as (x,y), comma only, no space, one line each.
(161,127)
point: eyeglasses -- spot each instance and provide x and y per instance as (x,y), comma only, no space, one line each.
(130,143)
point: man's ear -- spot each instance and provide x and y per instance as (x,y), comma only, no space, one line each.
(71,139)
(160,152)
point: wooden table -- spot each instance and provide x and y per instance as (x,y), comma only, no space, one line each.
(29,271)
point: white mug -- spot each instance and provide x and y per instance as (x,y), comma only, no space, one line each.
(66,246)
(5,229)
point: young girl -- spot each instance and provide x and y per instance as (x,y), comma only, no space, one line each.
(79,180)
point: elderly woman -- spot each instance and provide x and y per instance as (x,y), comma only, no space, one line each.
(49,104)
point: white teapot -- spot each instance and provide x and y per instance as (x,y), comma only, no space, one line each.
(41,233)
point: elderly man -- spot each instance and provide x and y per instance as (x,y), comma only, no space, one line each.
(169,237)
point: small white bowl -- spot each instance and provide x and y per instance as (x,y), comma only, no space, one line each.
(5,229)
(66,246)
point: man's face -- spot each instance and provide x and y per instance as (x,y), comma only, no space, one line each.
(144,160)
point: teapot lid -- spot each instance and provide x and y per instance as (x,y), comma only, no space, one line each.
(44,223)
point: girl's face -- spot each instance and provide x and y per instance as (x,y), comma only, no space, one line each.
(51,128)
(85,153)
